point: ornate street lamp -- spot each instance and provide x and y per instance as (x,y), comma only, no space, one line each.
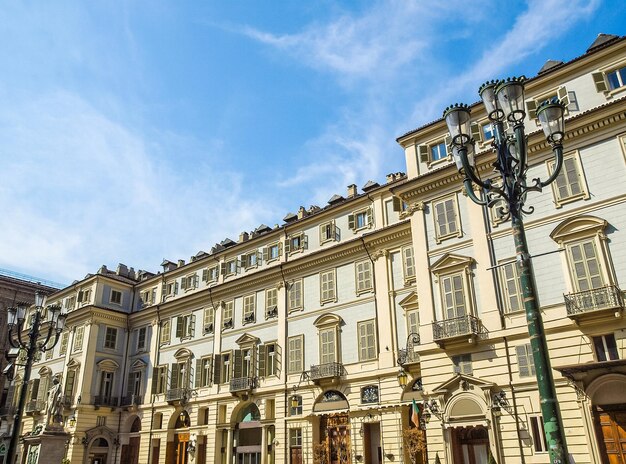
(504,102)
(403,378)
(39,339)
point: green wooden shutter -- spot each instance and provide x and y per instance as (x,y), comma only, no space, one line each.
(599,81)
(397,204)
(262,361)
(174,376)
(278,359)
(304,242)
(198,378)
(129,384)
(205,275)
(265,254)
(476,131)
(217,369)
(422,151)
(238,364)
(280,248)
(288,245)
(183,283)
(180,326)
(10,395)
(191,329)
(351,222)
(80,296)
(522,361)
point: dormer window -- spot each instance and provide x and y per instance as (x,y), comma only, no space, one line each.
(435,151)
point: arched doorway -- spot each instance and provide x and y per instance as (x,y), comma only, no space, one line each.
(470,445)
(130,452)
(248,435)
(176,452)
(608,399)
(98,451)
(334,427)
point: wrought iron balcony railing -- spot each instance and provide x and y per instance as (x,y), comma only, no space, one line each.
(326,371)
(102,400)
(35,406)
(242,384)
(409,354)
(597,299)
(131,400)
(177,394)
(457,327)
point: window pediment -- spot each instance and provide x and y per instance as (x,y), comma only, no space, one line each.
(451,262)
(247,339)
(183,353)
(138,365)
(326,320)
(44,371)
(461,382)
(410,301)
(576,227)
(108,365)
(73,364)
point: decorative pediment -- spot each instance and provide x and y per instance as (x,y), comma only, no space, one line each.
(100,431)
(138,365)
(327,319)
(73,364)
(461,382)
(578,226)
(410,301)
(449,262)
(183,353)
(247,339)
(108,365)
(44,371)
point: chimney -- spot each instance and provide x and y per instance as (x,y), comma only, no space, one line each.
(351,191)
(103,270)
(131,273)
(122,270)
(243,237)
(301,212)
(391,177)
(181,262)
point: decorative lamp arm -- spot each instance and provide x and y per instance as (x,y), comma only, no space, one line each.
(558,164)
(469,171)
(470,192)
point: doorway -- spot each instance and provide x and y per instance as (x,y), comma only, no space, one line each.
(470,445)
(336,430)
(371,443)
(610,424)
(181,441)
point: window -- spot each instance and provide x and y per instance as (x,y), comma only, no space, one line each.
(561,94)
(250,260)
(84,296)
(453,295)
(159,379)
(227,315)
(101,421)
(295,295)
(272,252)
(189,282)
(295,437)
(369,394)
(328,345)
(605,347)
(434,151)
(230,267)
(360,219)
(296,243)
(210,274)
(329,232)
(462,364)
(539,434)
(367,340)
(412,321)
(584,265)
(363,277)
(271,363)
(170,289)
(165,331)
(610,80)
(295,354)
(225,368)
(297,410)
(204,368)
(68,391)
(249,303)
(78,338)
(142,338)
(511,290)
(408,264)
(106,386)
(208,320)
(271,303)
(570,184)
(148,297)
(116,297)
(185,326)
(110,338)
(446,218)
(487,131)
(70,303)
(64,339)
(525,360)
(133,387)
(180,374)
(328,290)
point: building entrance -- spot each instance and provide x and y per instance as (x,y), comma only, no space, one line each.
(470,445)
(610,423)
(336,430)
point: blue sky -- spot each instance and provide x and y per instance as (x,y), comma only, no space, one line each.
(132,131)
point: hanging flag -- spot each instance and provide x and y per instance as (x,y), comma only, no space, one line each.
(415,411)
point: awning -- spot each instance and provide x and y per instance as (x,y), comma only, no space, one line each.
(571,369)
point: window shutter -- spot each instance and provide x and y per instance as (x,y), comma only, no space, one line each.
(599,81)
(259,258)
(277,358)
(198,378)
(370,216)
(522,361)
(351,222)
(174,376)
(262,363)
(155,379)
(448,142)
(397,204)
(422,150)
(80,296)
(305,242)
(335,232)
(217,369)
(238,367)
(183,283)
(34,390)
(130,384)
(457,364)
(476,131)
(195,280)
(163,290)
(531,109)
(223,268)
(180,329)
(288,245)
(265,254)
(205,275)
(244,260)
(563,96)
(280,248)
(175,288)
(237,265)
(191,328)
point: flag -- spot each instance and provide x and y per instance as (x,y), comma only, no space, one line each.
(415,411)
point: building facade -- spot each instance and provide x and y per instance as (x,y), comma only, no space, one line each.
(285,345)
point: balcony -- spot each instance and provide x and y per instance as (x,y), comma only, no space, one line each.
(242,384)
(35,407)
(597,302)
(329,371)
(177,395)
(102,400)
(456,329)
(131,400)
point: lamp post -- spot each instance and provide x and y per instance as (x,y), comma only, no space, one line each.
(504,102)
(39,339)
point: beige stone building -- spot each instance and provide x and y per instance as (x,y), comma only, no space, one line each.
(292,336)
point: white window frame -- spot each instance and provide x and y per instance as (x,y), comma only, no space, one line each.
(230,267)
(328,286)
(525,361)
(506,281)
(295,295)
(580,173)
(425,151)
(139,348)
(448,233)
(606,352)
(271,302)
(210,274)
(367,342)
(296,243)
(188,326)
(408,264)
(364,278)
(462,364)
(248,314)
(267,253)
(329,232)
(228,315)
(601,80)
(368,219)
(166,331)
(84,296)
(189,282)
(208,320)
(116,292)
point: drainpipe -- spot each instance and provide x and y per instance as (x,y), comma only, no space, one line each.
(158,355)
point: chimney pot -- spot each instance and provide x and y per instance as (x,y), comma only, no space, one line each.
(181,262)
(351,191)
